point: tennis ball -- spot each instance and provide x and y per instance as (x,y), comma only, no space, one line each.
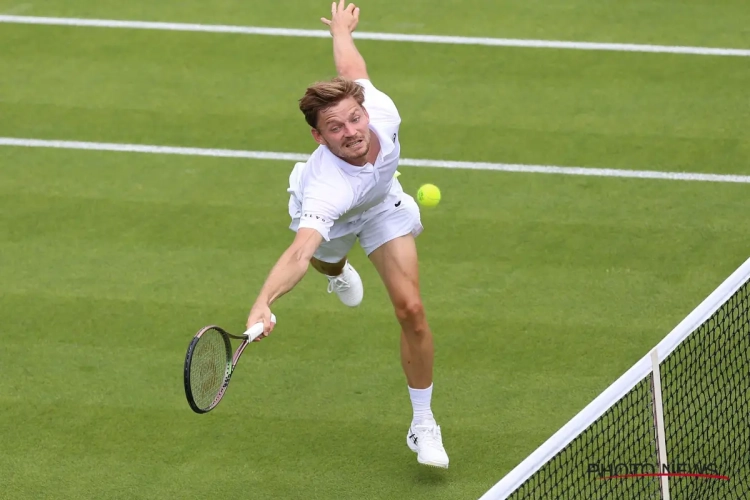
(428,195)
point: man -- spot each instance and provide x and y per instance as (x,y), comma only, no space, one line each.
(347,191)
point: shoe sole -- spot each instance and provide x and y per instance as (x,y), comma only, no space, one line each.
(429,464)
(436,466)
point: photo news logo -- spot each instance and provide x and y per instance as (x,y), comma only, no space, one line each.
(623,470)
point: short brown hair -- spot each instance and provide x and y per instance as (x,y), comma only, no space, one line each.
(323,95)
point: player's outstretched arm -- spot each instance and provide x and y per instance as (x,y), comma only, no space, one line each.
(349,62)
(288,271)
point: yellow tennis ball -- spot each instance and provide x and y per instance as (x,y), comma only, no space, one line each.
(428,195)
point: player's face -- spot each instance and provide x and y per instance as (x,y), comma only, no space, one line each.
(344,128)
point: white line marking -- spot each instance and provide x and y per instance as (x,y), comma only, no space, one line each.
(164,150)
(391,37)
(268,155)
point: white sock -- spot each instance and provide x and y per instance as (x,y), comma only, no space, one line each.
(420,402)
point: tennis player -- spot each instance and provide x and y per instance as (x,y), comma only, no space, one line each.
(347,191)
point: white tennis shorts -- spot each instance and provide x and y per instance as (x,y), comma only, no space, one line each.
(399,219)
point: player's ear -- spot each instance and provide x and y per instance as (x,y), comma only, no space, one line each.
(318,136)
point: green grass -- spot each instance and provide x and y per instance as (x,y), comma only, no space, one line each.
(634,111)
(541,289)
(671,22)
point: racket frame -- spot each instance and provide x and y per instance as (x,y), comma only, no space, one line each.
(231,364)
(232,359)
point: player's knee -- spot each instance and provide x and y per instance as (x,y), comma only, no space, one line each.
(410,312)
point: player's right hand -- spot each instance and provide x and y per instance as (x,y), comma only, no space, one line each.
(343,18)
(260,313)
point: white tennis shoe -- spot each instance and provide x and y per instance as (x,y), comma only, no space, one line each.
(347,285)
(426,441)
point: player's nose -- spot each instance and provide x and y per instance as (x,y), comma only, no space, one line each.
(350,131)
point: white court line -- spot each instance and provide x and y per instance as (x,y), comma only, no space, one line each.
(404,162)
(391,37)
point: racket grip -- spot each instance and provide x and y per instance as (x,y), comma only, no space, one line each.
(255,330)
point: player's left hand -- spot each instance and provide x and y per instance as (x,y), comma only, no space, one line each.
(344,19)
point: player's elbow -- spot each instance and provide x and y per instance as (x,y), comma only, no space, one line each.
(301,255)
(305,245)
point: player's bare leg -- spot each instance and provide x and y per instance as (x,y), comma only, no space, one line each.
(398,266)
(327,268)
(342,279)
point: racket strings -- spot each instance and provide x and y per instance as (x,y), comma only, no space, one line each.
(208,368)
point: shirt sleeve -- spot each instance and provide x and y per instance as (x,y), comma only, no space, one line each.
(379,106)
(322,205)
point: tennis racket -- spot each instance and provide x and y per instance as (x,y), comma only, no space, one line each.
(209,364)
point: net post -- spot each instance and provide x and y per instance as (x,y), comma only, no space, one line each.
(659,421)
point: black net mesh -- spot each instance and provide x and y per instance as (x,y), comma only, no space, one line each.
(620,441)
(705,389)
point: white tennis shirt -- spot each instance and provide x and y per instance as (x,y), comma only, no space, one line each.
(329,194)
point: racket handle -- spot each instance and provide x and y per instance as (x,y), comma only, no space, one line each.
(255,330)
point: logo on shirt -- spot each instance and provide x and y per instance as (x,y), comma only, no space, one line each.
(309,216)
(394,138)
